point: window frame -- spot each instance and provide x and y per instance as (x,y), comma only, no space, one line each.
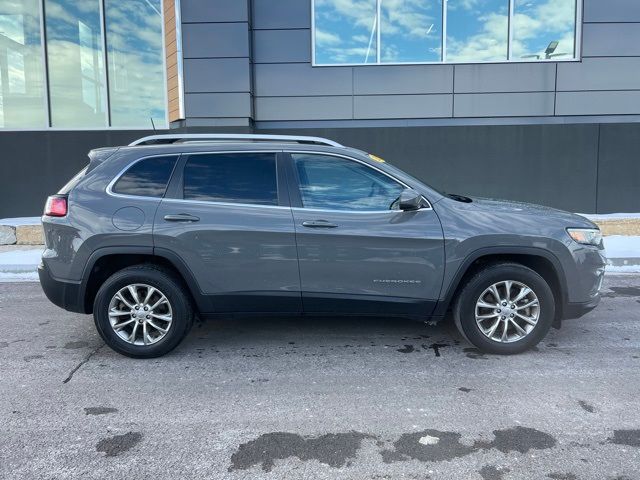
(577,48)
(294,183)
(129,165)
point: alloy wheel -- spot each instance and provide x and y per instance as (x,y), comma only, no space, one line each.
(507,311)
(140,314)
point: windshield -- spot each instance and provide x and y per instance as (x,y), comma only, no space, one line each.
(396,171)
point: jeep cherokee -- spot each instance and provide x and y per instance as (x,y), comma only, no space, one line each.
(150,235)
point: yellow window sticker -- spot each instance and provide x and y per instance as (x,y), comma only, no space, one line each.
(376,158)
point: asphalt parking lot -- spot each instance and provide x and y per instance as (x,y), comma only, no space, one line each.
(339,398)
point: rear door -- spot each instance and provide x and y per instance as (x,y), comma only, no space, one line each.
(227,216)
(358,253)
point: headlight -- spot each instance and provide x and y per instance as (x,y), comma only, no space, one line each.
(586,236)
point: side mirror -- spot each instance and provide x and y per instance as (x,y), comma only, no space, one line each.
(410,200)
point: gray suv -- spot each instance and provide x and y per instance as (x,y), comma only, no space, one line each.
(151,235)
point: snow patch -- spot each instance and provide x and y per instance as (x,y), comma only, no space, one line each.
(621,246)
(19,277)
(428,440)
(622,269)
(20,221)
(19,265)
(610,216)
(29,257)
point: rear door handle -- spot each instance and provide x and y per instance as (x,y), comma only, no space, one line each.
(181,217)
(319,224)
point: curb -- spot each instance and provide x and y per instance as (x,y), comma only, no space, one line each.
(623,226)
(21,235)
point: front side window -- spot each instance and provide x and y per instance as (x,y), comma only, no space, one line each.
(232,178)
(334,183)
(147,178)
(348,32)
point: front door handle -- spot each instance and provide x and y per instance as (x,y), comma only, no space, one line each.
(319,224)
(181,217)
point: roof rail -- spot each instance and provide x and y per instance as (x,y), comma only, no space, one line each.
(226,137)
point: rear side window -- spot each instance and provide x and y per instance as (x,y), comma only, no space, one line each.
(147,178)
(232,178)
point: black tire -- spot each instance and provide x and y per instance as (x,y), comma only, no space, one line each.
(157,277)
(465,303)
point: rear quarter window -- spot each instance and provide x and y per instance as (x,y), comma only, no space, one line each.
(147,177)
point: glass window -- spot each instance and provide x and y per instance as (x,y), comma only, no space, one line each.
(334,183)
(232,178)
(22,91)
(135,62)
(411,31)
(477,30)
(543,29)
(76,66)
(345,31)
(147,178)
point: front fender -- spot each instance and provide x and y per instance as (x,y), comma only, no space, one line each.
(461,255)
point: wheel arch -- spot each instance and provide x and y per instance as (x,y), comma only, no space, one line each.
(105,262)
(543,262)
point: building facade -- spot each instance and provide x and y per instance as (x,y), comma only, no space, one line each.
(532,100)
(74,74)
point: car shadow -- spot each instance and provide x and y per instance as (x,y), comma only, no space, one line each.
(266,332)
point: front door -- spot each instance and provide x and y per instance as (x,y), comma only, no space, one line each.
(231,225)
(358,253)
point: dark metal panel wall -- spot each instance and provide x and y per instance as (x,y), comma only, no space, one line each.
(581,168)
(34,165)
(563,166)
(619,168)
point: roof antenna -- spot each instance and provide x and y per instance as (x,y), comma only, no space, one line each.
(153,124)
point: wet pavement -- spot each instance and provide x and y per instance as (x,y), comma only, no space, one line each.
(347,398)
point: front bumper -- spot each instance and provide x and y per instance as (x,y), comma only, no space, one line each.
(577,310)
(65,295)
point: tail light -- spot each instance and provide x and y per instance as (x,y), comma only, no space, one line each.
(56,206)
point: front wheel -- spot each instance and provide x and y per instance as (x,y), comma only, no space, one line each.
(505,308)
(142,311)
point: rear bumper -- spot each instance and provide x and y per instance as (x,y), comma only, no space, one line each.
(577,310)
(65,295)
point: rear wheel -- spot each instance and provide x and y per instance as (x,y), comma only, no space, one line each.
(505,308)
(142,311)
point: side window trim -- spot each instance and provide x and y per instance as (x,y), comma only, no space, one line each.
(292,179)
(176,187)
(129,165)
(295,183)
